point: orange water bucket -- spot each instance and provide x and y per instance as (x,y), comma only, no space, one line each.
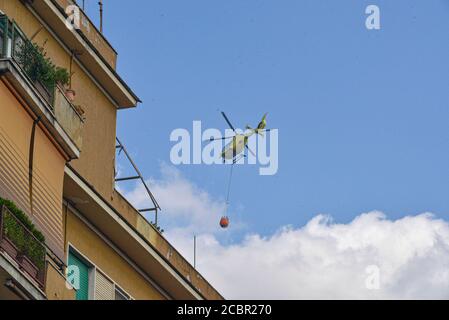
(224,222)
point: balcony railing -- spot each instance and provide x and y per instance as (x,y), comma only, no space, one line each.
(3,21)
(22,246)
(16,46)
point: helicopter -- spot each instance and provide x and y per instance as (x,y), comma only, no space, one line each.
(233,150)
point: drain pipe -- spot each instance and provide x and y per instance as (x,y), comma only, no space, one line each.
(101,15)
(31,162)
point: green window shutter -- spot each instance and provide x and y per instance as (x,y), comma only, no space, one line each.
(82,292)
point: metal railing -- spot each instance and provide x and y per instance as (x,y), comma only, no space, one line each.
(22,246)
(3,38)
(92,34)
(16,46)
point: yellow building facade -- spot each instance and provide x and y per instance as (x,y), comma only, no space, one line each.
(57,159)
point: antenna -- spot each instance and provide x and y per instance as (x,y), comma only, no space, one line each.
(101,15)
(139,176)
(194,251)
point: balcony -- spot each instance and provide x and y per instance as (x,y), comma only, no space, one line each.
(22,246)
(18,59)
(68,116)
(97,56)
(92,34)
(28,268)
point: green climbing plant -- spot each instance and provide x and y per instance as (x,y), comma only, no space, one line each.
(34,61)
(14,222)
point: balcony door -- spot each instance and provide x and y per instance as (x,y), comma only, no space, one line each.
(79,276)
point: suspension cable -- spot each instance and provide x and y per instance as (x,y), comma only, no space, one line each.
(229,188)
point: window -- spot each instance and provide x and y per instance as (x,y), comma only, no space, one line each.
(104,288)
(91,282)
(120,294)
(78,276)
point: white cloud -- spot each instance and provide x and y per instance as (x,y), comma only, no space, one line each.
(321,260)
(324,260)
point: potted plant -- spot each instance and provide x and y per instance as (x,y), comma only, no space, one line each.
(20,238)
(41,70)
(61,76)
(10,233)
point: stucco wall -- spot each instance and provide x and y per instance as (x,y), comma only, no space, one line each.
(57,287)
(107,260)
(48,169)
(96,163)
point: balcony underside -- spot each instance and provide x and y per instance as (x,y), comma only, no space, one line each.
(14,284)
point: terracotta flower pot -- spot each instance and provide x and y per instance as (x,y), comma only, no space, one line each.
(9,247)
(28,266)
(79,109)
(70,94)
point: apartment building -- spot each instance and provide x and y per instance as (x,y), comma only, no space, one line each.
(65,231)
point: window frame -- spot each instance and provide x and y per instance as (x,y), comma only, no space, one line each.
(93,269)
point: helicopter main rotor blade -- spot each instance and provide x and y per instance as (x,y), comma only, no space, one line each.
(251,151)
(227,120)
(216,139)
(263,130)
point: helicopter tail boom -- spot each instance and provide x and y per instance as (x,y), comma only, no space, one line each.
(254,131)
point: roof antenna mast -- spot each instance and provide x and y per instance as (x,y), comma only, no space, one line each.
(101,15)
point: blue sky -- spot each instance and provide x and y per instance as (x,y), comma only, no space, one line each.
(362,118)
(362,115)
